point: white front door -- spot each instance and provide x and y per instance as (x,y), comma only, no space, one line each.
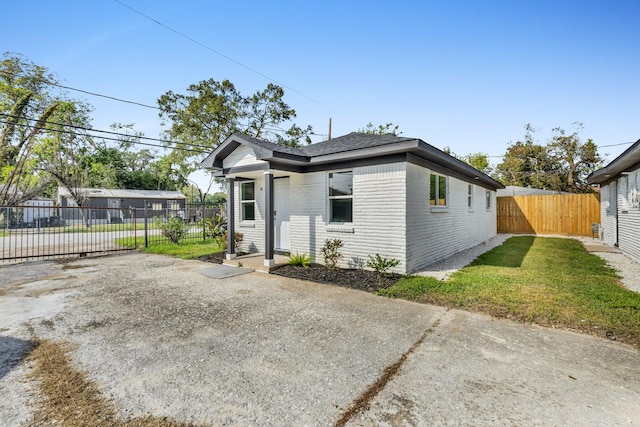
(282,207)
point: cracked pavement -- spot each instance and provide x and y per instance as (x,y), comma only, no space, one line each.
(158,337)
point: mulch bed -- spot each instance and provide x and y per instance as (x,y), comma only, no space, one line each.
(215,258)
(363,280)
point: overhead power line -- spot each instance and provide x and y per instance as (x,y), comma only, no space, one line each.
(88,129)
(107,96)
(107,138)
(87,92)
(191,39)
(616,145)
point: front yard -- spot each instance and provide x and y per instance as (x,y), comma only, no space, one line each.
(552,282)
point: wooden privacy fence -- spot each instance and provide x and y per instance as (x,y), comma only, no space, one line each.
(567,214)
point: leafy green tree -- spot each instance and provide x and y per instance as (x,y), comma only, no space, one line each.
(561,165)
(217,199)
(388,128)
(578,158)
(211,111)
(479,161)
(25,108)
(63,151)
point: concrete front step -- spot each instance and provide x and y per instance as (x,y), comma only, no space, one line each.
(256,262)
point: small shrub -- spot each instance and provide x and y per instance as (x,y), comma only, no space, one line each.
(381,265)
(216,226)
(300,260)
(238,238)
(173,229)
(330,252)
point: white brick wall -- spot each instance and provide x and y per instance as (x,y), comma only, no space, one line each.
(391,217)
(629,215)
(608,214)
(378,215)
(434,233)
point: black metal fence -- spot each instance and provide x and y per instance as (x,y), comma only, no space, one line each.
(38,232)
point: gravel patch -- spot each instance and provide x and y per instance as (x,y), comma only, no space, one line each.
(628,269)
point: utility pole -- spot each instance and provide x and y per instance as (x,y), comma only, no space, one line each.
(329,129)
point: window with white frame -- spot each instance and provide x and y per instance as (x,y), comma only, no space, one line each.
(488,199)
(613,196)
(470,196)
(438,190)
(341,196)
(247,201)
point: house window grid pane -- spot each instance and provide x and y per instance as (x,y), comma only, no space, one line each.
(341,197)
(437,190)
(247,201)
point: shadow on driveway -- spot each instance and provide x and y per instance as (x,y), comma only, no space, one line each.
(12,352)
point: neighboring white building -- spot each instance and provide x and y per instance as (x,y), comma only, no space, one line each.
(395,196)
(620,201)
(514,190)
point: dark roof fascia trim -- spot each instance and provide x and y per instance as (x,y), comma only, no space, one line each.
(421,161)
(380,160)
(348,163)
(617,166)
(372,152)
(246,168)
(286,156)
(612,178)
(214,160)
(286,167)
(443,159)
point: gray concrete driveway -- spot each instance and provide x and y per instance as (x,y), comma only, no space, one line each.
(159,337)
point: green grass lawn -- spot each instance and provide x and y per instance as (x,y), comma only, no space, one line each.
(552,282)
(186,250)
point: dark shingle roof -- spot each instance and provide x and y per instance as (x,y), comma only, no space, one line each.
(351,142)
(351,147)
(274,147)
(623,163)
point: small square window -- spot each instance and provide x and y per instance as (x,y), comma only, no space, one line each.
(247,201)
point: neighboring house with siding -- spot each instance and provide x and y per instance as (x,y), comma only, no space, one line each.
(114,203)
(620,201)
(399,197)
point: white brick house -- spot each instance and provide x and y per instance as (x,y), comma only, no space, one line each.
(395,196)
(620,201)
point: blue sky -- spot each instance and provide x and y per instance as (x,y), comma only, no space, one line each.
(460,74)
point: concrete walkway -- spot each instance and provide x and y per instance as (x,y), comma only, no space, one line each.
(158,337)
